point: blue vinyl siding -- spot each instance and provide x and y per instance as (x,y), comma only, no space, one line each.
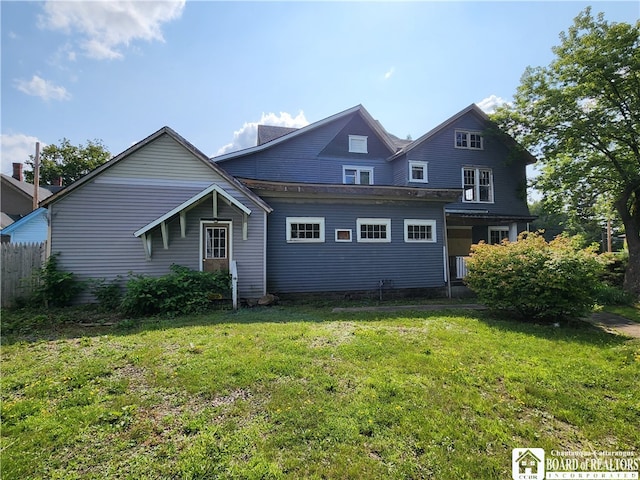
(446,163)
(316,157)
(344,266)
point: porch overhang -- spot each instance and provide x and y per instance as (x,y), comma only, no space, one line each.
(213,192)
(470,217)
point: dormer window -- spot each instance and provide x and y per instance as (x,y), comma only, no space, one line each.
(418,172)
(357,175)
(357,144)
(468,139)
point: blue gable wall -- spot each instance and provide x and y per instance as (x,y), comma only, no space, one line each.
(446,163)
(317,156)
(337,266)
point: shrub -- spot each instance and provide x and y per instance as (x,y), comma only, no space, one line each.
(183,291)
(56,288)
(108,294)
(535,279)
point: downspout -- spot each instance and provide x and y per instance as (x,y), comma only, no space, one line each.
(445,236)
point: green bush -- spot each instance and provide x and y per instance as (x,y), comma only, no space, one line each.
(535,279)
(56,288)
(183,291)
(108,294)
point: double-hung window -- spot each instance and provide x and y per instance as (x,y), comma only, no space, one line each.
(418,172)
(467,139)
(305,229)
(357,175)
(477,184)
(416,230)
(374,230)
(498,234)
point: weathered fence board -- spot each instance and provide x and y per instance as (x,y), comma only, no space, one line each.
(20,263)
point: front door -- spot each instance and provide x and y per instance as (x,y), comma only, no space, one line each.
(215,248)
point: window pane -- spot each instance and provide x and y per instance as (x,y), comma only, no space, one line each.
(475,140)
(461,139)
(417,173)
(365,177)
(350,176)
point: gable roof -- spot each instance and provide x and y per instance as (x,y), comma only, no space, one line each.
(26,219)
(141,144)
(372,123)
(26,189)
(474,109)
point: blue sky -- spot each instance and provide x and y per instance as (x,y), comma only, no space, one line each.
(119,71)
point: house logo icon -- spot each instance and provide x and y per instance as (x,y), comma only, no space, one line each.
(527,463)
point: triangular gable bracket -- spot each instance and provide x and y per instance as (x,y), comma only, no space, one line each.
(215,191)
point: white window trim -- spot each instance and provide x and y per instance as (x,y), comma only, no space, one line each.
(468,134)
(412,221)
(477,185)
(373,221)
(358,171)
(341,240)
(292,220)
(497,229)
(425,166)
(358,144)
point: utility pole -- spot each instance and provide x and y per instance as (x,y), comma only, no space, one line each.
(36,176)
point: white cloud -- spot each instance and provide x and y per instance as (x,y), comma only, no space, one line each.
(39,87)
(16,148)
(107,26)
(247,135)
(389,73)
(489,104)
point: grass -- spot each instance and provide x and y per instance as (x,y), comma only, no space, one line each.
(301,392)
(632,312)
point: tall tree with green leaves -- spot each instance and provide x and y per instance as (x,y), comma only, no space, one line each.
(580,116)
(67,161)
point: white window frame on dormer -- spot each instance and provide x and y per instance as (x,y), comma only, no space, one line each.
(358,144)
(374,236)
(464,139)
(306,221)
(358,174)
(425,171)
(471,191)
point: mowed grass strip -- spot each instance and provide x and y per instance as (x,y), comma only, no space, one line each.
(294,392)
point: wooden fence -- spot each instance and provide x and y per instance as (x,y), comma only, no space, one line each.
(20,263)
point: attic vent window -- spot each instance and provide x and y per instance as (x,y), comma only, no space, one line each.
(357,144)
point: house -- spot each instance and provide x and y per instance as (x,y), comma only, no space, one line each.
(340,205)
(16,196)
(528,464)
(32,228)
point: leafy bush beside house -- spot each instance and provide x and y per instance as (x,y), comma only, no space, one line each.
(535,279)
(183,291)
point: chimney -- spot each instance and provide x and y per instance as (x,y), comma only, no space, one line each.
(57,182)
(17,172)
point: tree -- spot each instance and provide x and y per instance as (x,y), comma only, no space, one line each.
(68,162)
(581,117)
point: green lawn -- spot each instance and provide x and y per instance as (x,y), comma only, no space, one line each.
(294,392)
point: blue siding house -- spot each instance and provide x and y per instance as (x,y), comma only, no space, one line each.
(32,228)
(355,207)
(339,206)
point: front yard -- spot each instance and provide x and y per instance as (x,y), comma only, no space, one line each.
(299,392)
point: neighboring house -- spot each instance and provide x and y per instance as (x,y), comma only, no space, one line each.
(337,206)
(32,228)
(16,196)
